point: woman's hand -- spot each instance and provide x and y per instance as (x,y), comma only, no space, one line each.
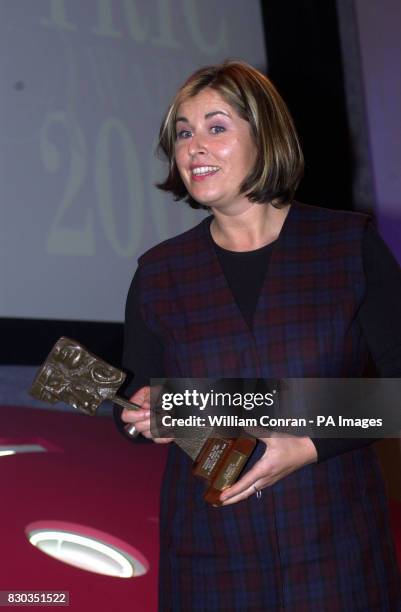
(284,454)
(141,418)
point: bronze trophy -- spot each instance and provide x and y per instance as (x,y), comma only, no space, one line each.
(74,376)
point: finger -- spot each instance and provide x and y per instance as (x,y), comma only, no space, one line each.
(143,427)
(141,396)
(143,405)
(134,416)
(247,481)
(163,440)
(240,496)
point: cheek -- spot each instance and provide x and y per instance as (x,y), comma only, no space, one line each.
(177,156)
(240,160)
(179,161)
(225,151)
(239,156)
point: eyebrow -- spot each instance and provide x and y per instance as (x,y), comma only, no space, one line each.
(207,116)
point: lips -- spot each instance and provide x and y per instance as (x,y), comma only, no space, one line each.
(201,172)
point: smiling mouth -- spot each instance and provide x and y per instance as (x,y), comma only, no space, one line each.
(204,171)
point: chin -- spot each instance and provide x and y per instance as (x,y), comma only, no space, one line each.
(203,199)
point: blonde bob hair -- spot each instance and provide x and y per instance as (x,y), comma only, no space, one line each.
(279,165)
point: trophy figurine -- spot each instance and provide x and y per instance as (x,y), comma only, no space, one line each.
(74,376)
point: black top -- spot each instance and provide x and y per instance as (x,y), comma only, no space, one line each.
(378,316)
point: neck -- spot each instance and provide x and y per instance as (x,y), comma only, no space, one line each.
(251,229)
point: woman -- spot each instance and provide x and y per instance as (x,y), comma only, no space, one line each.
(264,287)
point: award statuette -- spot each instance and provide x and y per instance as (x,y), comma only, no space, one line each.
(74,376)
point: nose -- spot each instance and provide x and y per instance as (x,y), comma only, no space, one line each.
(196,145)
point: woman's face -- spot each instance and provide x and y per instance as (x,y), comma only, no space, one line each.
(214,151)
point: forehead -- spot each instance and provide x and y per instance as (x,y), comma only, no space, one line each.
(205,101)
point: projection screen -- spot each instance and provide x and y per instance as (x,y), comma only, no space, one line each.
(83,88)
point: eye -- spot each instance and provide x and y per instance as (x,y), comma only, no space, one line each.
(217,129)
(183,134)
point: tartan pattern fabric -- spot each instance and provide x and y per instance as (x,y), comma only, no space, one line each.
(319,539)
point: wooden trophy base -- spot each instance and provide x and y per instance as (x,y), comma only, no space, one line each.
(220,463)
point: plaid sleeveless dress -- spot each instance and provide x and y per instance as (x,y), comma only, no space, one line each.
(319,539)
